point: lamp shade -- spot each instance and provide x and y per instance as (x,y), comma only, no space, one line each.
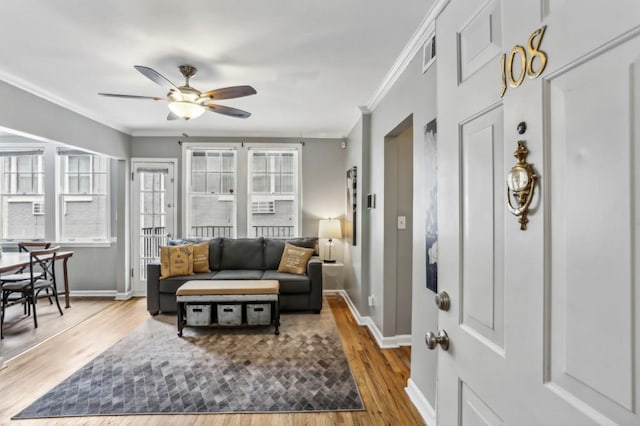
(329,228)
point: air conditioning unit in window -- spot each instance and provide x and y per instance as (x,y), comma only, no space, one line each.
(263,207)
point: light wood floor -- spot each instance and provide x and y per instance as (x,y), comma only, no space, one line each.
(381,375)
(20,335)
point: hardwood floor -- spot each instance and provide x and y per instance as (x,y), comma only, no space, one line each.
(20,335)
(381,375)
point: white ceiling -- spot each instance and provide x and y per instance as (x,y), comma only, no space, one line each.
(312,62)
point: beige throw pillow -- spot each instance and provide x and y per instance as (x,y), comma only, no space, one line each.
(176,260)
(201,257)
(294,259)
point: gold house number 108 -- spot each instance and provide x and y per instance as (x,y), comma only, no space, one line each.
(527,58)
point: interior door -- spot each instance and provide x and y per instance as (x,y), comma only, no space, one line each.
(543,324)
(153,215)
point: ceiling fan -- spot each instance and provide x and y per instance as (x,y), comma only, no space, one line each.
(188,102)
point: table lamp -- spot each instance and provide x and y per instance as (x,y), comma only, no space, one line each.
(329,228)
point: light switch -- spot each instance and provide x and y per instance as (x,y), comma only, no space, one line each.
(402,222)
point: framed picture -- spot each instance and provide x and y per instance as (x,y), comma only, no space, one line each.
(431,172)
(351,227)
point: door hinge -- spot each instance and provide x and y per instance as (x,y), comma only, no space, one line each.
(133,175)
(131,272)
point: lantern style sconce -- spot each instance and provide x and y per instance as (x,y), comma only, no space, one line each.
(521,183)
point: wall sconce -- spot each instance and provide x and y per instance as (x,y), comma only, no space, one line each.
(521,183)
(329,228)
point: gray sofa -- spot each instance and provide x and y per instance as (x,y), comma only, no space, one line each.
(245,259)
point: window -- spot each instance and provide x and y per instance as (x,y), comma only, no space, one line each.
(264,178)
(273,193)
(22,185)
(83,188)
(211,192)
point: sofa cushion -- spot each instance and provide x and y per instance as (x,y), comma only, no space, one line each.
(239,274)
(201,258)
(289,283)
(176,260)
(215,252)
(273,249)
(242,253)
(294,259)
(170,285)
(306,242)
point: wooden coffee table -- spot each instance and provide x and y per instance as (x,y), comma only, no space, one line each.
(227,291)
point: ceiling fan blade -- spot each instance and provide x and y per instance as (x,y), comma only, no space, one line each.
(114,95)
(156,77)
(172,116)
(225,110)
(229,92)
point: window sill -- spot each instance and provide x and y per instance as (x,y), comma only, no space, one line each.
(101,243)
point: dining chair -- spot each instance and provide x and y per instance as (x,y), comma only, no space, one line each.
(25,246)
(42,276)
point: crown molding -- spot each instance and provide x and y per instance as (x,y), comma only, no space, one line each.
(420,36)
(41,93)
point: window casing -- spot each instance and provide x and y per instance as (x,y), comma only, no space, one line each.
(273,181)
(83,196)
(263,180)
(211,192)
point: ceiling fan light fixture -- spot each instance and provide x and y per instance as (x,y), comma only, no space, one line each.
(186,110)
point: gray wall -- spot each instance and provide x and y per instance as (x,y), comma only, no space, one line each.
(356,260)
(91,268)
(323,187)
(413,94)
(398,175)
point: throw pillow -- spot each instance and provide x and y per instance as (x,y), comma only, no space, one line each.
(201,257)
(176,260)
(294,259)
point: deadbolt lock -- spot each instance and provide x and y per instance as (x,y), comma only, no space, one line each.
(442,301)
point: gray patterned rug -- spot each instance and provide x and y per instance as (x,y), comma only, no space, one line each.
(152,371)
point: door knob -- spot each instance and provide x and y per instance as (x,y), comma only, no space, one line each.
(432,340)
(442,301)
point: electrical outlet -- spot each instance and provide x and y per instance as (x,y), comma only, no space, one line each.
(371,300)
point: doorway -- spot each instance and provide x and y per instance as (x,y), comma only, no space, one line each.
(398,230)
(153,215)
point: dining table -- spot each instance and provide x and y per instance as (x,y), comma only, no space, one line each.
(10,261)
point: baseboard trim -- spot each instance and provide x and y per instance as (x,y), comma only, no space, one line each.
(124,296)
(366,321)
(93,293)
(422,405)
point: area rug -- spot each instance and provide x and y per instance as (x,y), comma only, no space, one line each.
(240,370)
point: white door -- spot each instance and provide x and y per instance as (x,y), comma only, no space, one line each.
(153,215)
(544,323)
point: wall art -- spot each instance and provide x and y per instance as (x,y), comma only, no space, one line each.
(431,172)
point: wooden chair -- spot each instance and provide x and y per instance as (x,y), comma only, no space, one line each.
(42,276)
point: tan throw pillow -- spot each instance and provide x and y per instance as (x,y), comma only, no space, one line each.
(201,257)
(294,259)
(176,260)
